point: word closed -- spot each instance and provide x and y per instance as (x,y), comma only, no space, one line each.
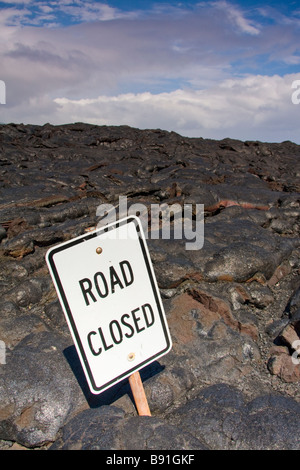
(117,330)
(108,291)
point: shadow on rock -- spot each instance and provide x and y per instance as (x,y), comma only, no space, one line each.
(113,393)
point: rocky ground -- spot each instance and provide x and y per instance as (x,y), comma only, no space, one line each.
(232,378)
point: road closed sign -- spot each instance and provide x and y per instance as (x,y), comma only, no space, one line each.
(107,289)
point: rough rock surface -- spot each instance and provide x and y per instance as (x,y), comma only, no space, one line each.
(232,378)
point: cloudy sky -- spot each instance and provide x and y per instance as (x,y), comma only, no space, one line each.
(209,69)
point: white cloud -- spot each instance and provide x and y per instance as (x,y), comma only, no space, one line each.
(178,73)
(33,13)
(12,16)
(237,17)
(292,60)
(12,2)
(254,108)
(87,11)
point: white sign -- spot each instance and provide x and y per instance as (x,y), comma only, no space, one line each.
(107,289)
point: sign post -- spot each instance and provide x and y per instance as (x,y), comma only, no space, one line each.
(107,289)
(139,395)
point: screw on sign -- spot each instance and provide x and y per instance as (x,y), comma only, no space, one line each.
(107,289)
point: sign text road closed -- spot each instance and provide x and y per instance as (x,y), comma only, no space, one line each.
(108,292)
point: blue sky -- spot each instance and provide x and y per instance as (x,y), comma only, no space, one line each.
(212,69)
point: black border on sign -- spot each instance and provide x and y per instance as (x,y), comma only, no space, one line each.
(80,349)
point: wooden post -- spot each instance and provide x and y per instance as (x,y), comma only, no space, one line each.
(139,395)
